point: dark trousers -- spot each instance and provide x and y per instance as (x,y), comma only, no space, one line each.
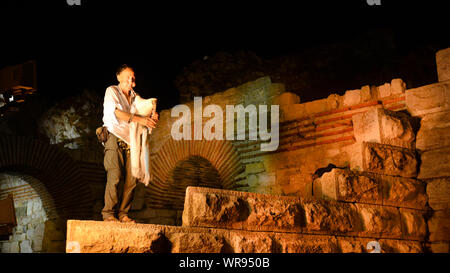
(120,183)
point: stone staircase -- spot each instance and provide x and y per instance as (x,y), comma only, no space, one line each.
(224,221)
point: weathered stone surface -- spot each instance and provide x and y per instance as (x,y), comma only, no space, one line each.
(313,216)
(211,209)
(403,192)
(293,243)
(383,126)
(197,243)
(331,217)
(443,64)
(389,160)
(205,207)
(82,235)
(366,126)
(248,242)
(414,224)
(273,214)
(400,246)
(439,226)
(352,97)
(434,131)
(435,163)
(384,90)
(344,185)
(380,221)
(398,86)
(438,191)
(440,247)
(363,187)
(428,99)
(286,98)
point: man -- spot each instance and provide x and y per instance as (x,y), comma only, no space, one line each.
(117,118)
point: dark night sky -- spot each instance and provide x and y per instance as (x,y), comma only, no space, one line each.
(79,47)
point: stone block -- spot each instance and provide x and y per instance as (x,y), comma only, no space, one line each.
(6,247)
(366,126)
(316,106)
(344,185)
(428,99)
(334,101)
(212,240)
(400,246)
(272,213)
(353,245)
(293,243)
(414,224)
(249,242)
(352,97)
(25,247)
(398,86)
(443,64)
(253,168)
(367,94)
(214,210)
(109,237)
(331,217)
(434,131)
(438,191)
(292,112)
(439,226)
(435,163)
(440,247)
(384,90)
(380,221)
(383,126)
(286,98)
(197,243)
(14,247)
(403,192)
(389,160)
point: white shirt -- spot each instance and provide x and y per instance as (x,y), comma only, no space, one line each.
(114,98)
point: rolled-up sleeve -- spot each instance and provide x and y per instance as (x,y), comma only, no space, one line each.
(110,103)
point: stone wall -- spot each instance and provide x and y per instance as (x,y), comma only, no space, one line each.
(431,104)
(28,235)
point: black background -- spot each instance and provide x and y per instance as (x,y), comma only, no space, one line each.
(78,47)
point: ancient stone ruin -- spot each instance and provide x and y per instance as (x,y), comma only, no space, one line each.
(368,168)
(371,165)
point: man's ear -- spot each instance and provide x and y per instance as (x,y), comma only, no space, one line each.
(118,78)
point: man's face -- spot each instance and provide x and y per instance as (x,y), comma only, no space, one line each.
(127,79)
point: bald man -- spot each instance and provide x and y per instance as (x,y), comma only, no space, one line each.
(116,118)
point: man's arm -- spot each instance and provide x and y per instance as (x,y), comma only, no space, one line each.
(145,121)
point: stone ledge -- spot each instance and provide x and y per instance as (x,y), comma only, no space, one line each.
(428,99)
(108,237)
(214,208)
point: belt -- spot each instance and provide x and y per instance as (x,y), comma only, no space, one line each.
(123,145)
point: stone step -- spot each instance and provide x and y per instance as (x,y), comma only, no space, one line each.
(227,209)
(109,237)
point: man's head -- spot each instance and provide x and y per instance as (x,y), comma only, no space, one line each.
(125,76)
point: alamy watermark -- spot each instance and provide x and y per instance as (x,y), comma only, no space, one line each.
(214,128)
(73,2)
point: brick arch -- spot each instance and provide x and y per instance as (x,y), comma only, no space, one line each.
(67,186)
(39,188)
(221,155)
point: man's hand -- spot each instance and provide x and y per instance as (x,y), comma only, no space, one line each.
(155,117)
(146,121)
